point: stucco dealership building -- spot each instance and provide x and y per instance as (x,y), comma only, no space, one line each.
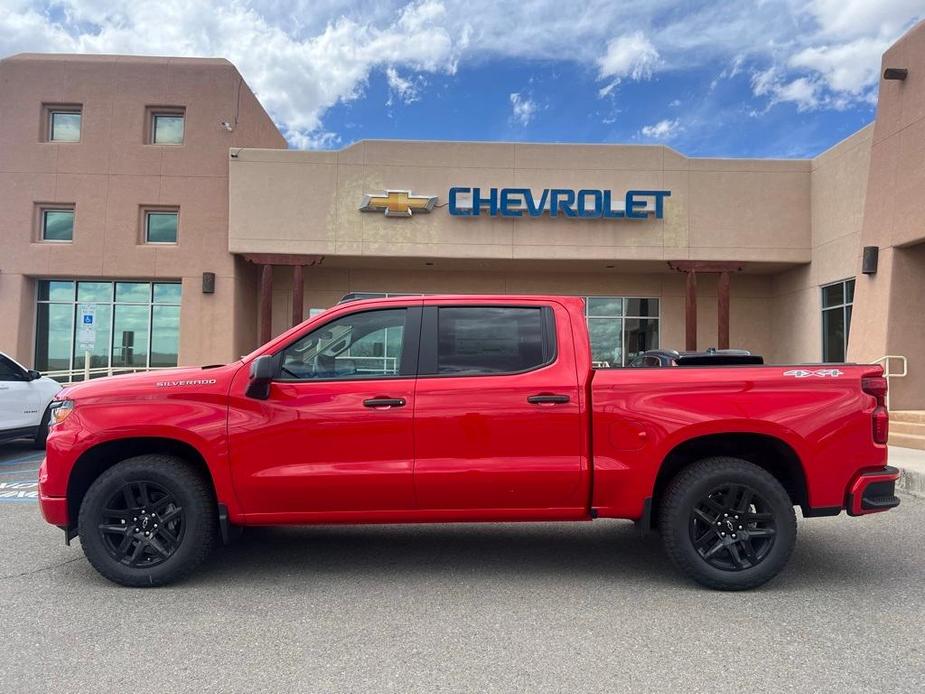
(157,195)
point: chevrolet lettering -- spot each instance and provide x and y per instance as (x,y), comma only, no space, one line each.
(587,203)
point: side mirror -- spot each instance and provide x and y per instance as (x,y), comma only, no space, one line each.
(33,375)
(263,370)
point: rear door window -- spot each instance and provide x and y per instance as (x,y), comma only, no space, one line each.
(475,340)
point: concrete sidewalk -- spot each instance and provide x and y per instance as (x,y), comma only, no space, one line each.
(912,463)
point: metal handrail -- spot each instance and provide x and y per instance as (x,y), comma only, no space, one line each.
(887,373)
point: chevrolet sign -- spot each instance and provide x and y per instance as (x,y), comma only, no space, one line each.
(586,203)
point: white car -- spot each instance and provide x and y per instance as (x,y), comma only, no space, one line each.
(24,398)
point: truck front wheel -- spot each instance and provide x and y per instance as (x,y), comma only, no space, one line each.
(728,523)
(147,521)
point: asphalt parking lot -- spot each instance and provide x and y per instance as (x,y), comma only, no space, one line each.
(551,607)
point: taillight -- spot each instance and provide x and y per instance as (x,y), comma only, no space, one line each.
(880,417)
(881,424)
(876,386)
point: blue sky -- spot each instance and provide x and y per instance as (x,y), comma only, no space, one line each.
(779,78)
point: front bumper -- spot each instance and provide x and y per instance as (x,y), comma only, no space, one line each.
(54,509)
(873,492)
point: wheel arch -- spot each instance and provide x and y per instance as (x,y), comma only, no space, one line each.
(95,461)
(764,450)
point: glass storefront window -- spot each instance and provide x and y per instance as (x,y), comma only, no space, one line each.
(133,292)
(56,291)
(165,335)
(166,293)
(837,302)
(620,328)
(94,291)
(137,325)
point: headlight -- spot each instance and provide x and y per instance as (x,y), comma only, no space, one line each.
(60,410)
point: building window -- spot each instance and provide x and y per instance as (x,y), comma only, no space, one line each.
(56,224)
(160,226)
(837,300)
(165,126)
(137,326)
(620,328)
(62,123)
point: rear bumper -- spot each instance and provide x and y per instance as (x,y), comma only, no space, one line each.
(873,492)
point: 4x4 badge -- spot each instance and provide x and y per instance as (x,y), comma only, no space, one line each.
(821,373)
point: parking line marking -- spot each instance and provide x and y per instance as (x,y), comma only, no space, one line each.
(18,472)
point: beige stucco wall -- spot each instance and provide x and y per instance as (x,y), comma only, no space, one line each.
(719,209)
(757,211)
(111,172)
(838,186)
(889,314)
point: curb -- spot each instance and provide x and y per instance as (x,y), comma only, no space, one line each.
(911,482)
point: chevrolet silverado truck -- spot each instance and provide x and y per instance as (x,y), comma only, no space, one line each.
(444,409)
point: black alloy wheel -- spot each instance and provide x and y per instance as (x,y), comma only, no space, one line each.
(732,527)
(149,520)
(727,523)
(142,524)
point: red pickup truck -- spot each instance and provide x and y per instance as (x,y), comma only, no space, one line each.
(462,408)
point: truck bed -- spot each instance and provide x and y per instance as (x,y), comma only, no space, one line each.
(818,413)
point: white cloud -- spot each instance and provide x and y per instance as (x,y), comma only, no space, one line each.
(663,130)
(523,108)
(608,88)
(771,83)
(406,90)
(854,18)
(850,67)
(631,55)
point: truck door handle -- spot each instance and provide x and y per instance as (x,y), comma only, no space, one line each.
(384,402)
(548,398)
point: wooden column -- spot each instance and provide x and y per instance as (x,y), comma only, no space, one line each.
(298,291)
(266,303)
(266,261)
(722,311)
(691,268)
(690,312)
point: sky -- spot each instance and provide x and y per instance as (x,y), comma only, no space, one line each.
(749,78)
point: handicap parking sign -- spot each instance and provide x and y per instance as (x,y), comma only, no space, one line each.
(86,336)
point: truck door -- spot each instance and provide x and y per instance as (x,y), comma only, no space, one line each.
(497,411)
(335,433)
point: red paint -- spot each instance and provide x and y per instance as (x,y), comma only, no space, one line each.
(468,448)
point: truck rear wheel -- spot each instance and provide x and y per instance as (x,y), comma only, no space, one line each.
(147,521)
(728,523)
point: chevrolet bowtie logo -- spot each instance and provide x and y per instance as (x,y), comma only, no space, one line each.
(398,203)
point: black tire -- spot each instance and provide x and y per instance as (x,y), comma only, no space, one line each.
(161,488)
(41,436)
(728,524)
